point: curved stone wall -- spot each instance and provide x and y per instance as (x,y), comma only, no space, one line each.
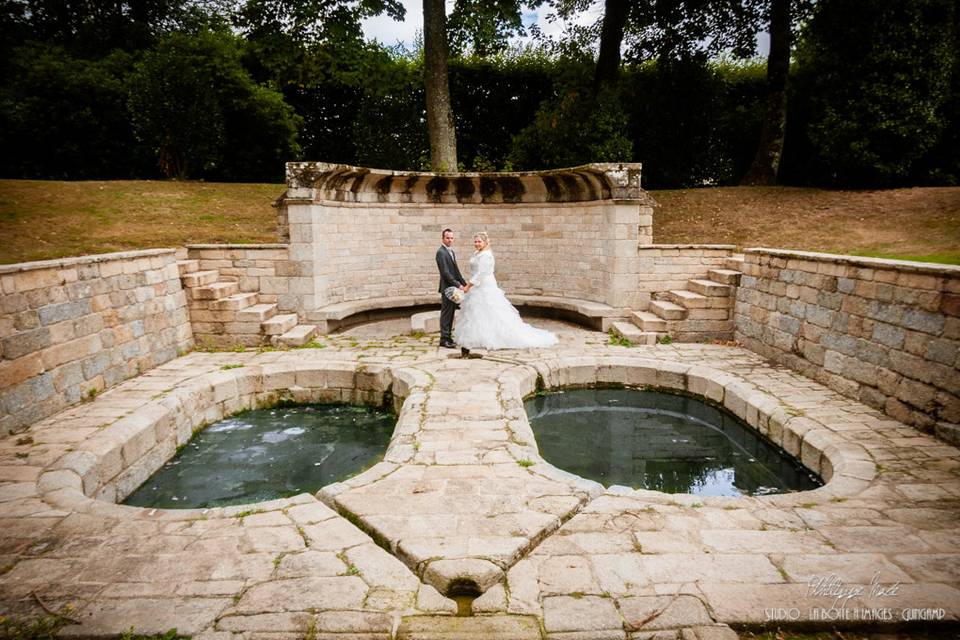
(569,233)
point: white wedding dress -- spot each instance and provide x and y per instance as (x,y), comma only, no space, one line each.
(487,320)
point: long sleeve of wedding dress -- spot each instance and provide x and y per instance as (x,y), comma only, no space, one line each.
(481,269)
(487,320)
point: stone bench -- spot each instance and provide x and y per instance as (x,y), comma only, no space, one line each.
(595,315)
(345,314)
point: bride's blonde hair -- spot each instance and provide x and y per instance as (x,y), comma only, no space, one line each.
(483,236)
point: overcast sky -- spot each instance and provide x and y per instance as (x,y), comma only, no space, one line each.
(389,32)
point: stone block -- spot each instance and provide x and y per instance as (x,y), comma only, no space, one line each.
(920,320)
(69,376)
(17,370)
(652,613)
(888,335)
(36,279)
(25,342)
(589,614)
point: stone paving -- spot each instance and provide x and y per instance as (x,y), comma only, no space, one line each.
(462,500)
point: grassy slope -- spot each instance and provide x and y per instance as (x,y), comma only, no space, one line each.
(912,224)
(40,219)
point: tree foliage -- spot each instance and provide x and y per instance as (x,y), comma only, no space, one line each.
(672,29)
(484,27)
(197,108)
(877,81)
(230,90)
(578,127)
(65,117)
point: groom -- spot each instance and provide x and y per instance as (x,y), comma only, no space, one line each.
(449,277)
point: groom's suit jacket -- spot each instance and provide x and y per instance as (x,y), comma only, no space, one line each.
(449,272)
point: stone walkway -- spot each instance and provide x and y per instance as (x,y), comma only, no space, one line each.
(463,503)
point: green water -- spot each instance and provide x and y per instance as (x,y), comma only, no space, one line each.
(269,453)
(660,441)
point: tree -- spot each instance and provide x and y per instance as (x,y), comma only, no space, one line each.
(484,26)
(766,164)
(199,110)
(615,13)
(93,28)
(878,78)
(664,30)
(65,117)
(307,41)
(440,123)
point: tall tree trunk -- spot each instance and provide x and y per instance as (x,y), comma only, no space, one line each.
(766,164)
(611,37)
(440,125)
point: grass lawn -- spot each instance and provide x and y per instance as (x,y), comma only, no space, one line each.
(49,219)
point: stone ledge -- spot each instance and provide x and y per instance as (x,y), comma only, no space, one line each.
(275,245)
(718,247)
(856,261)
(60,263)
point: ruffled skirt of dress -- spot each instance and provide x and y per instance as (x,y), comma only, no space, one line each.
(487,320)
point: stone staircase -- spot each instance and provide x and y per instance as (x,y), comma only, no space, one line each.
(701,311)
(222,316)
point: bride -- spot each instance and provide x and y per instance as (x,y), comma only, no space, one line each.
(487,320)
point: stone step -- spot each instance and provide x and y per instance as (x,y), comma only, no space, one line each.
(200,278)
(725,276)
(734,263)
(188,266)
(215,291)
(236,302)
(647,321)
(257,313)
(296,337)
(708,287)
(687,299)
(667,310)
(425,322)
(632,333)
(278,325)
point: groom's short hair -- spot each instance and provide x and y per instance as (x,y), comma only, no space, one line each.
(445,232)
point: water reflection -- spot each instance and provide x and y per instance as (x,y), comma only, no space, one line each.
(269,453)
(660,441)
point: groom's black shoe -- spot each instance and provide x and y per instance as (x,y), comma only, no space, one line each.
(448,344)
(464,352)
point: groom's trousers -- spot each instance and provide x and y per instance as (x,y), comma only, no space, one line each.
(447,309)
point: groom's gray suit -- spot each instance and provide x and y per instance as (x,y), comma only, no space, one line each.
(449,277)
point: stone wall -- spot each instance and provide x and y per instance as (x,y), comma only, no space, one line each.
(357,234)
(371,251)
(670,266)
(71,328)
(257,268)
(884,332)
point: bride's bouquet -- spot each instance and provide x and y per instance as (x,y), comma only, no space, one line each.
(454,294)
